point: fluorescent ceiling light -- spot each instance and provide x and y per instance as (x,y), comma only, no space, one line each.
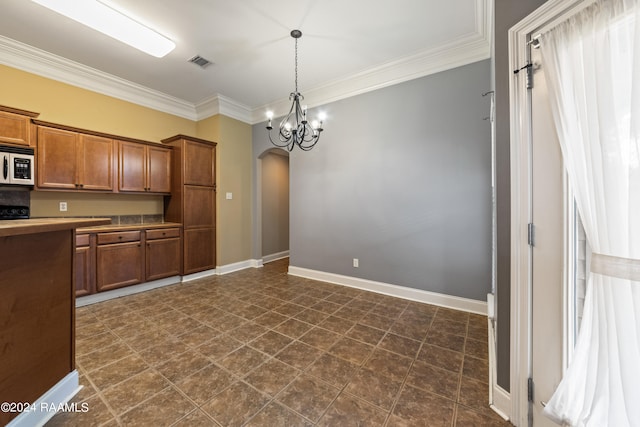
(103,18)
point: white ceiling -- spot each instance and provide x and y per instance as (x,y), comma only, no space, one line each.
(348,47)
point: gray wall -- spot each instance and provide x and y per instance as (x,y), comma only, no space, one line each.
(275,203)
(400,180)
(507,14)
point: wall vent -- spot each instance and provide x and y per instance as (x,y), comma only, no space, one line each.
(200,61)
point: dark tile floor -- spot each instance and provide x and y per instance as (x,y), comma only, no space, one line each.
(261,348)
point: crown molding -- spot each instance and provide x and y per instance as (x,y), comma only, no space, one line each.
(220,104)
(467,49)
(458,53)
(28,58)
(473,47)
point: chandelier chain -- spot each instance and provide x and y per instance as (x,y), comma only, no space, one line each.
(296,65)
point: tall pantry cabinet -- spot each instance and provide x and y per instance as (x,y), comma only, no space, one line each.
(193,200)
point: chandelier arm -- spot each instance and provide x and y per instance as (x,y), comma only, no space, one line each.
(277,144)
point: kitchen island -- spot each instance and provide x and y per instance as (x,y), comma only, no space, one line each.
(37,316)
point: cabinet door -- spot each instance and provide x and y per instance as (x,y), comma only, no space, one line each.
(132,162)
(199,206)
(84,272)
(159,170)
(199,162)
(199,249)
(15,129)
(57,158)
(95,163)
(163,258)
(119,265)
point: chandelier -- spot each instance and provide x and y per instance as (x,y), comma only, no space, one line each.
(294,129)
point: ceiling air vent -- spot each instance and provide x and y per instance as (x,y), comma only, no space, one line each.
(200,61)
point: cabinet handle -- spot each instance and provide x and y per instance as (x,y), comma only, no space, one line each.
(120,237)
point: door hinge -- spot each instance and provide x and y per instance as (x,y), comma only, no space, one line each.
(530,234)
(530,389)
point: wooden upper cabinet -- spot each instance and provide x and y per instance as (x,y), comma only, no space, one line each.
(131,160)
(15,126)
(159,169)
(69,160)
(199,164)
(57,158)
(144,168)
(95,163)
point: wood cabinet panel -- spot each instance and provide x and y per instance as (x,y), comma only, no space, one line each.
(15,128)
(201,206)
(162,258)
(95,161)
(57,154)
(144,168)
(199,164)
(159,170)
(199,249)
(132,162)
(119,265)
(36,314)
(69,160)
(118,237)
(85,282)
(163,233)
(193,200)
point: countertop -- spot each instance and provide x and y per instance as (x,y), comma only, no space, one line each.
(16,227)
(128,227)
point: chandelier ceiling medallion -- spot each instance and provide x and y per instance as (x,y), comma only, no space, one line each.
(294,128)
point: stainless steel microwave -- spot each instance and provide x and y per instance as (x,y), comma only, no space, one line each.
(16,165)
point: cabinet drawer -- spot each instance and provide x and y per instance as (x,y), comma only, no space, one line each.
(82,240)
(163,233)
(118,237)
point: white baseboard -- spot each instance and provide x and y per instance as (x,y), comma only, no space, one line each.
(57,396)
(501,402)
(129,290)
(449,301)
(499,399)
(199,275)
(236,266)
(275,257)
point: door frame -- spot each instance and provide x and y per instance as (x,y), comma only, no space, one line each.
(548,15)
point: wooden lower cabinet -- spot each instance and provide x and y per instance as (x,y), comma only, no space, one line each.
(163,253)
(199,249)
(115,259)
(85,268)
(120,264)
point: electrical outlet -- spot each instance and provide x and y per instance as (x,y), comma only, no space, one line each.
(63,206)
(356,263)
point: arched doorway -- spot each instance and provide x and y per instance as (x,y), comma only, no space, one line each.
(273,184)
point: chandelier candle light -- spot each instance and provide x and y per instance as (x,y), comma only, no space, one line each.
(294,128)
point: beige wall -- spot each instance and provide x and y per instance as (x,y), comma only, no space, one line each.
(233,175)
(66,104)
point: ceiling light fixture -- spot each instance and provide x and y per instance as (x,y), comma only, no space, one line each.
(294,128)
(113,23)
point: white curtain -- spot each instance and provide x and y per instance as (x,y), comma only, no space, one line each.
(592,64)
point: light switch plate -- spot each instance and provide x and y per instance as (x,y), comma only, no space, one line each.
(229,196)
